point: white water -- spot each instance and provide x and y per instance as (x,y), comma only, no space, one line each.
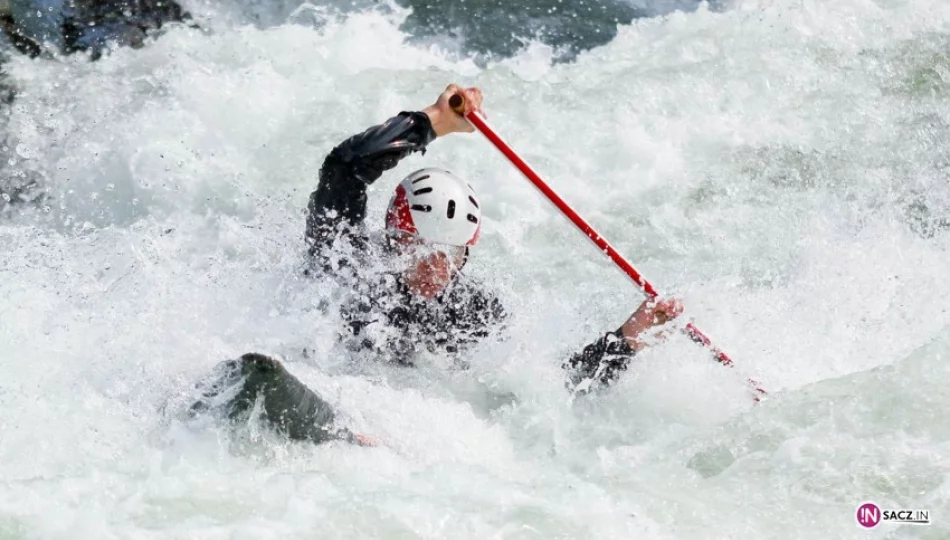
(757,162)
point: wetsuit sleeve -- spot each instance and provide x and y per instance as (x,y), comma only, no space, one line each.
(339,202)
(601,362)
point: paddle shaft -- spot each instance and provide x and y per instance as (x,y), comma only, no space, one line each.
(479,122)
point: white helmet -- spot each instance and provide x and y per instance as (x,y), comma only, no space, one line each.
(436,206)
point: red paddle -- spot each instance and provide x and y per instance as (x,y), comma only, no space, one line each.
(476,119)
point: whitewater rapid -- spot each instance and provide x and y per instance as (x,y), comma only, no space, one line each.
(780,165)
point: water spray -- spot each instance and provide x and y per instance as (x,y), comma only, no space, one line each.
(457,102)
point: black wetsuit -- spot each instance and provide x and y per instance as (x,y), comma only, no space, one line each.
(383,319)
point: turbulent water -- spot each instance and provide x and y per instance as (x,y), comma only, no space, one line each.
(780,165)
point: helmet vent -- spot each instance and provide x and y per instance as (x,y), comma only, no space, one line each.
(420,179)
(421,191)
(422,207)
(473,201)
(472,218)
(451,211)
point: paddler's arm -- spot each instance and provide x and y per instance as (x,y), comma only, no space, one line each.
(602,360)
(339,202)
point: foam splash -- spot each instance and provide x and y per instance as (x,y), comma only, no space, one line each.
(759,162)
